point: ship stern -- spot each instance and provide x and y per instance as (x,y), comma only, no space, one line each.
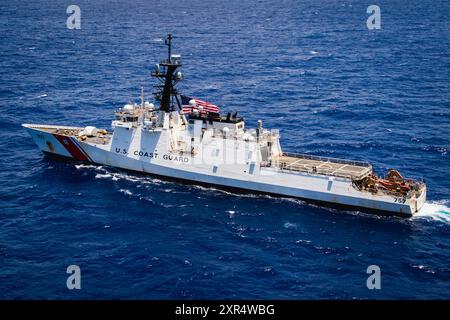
(420,197)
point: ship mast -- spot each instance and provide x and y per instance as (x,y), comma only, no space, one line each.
(166,71)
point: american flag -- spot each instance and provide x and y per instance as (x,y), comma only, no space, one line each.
(207,107)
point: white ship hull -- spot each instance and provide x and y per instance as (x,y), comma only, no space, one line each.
(150,152)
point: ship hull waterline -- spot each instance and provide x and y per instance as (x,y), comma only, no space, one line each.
(237,190)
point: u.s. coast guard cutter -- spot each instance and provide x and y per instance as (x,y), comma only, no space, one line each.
(201,146)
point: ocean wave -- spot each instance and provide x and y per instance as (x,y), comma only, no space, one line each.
(231,214)
(105,173)
(126,191)
(88,166)
(103,176)
(290,225)
(424,268)
(436,210)
(439,149)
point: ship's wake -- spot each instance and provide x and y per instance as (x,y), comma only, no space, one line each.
(436,210)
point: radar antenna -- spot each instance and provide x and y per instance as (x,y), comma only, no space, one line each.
(169,45)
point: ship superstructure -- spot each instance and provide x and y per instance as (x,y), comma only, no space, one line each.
(208,148)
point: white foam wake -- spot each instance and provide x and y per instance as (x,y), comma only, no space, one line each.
(88,166)
(436,210)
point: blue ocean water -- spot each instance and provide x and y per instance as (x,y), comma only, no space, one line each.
(310,68)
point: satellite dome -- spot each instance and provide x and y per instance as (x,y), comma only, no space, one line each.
(192,103)
(149,105)
(128,107)
(90,131)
